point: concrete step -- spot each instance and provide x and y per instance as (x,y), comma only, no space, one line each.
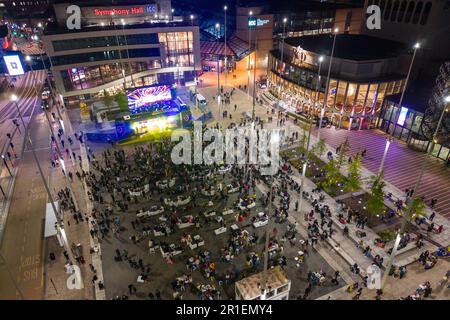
(411,256)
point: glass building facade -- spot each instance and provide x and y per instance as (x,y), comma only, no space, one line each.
(406,124)
(144,58)
(350,104)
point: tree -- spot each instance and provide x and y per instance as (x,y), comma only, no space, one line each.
(332,176)
(122,101)
(107,99)
(345,148)
(354,174)
(320,147)
(417,209)
(375,203)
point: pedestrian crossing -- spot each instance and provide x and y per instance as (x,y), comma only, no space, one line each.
(402,164)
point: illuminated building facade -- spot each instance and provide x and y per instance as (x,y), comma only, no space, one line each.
(362,74)
(121,46)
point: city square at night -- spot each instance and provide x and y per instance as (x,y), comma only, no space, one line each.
(244,150)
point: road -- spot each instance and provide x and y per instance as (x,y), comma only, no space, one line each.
(22,242)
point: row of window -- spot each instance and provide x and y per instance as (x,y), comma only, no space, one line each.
(104,55)
(106,41)
(403,10)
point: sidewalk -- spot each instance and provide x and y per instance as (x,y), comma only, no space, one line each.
(76,233)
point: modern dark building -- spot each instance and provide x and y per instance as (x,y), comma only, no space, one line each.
(363,72)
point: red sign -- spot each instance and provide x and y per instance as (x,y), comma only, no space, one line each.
(119,11)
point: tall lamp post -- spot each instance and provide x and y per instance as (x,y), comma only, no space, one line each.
(249,54)
(281,61)
(391,135)
(300,204)
(122,70)
(225,8)
(410,200)
(218,76)
(128,51)
(60,223)
(327,87)
(195,71)
(254,80)
(275,139)
(58,150)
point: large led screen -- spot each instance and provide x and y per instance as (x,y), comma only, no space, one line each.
(146,96)
(14,65)
(402,116)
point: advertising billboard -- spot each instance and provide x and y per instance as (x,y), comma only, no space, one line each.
(146,96)
(14,65)
(402,117)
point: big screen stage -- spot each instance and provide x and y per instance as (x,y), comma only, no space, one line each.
(144,97)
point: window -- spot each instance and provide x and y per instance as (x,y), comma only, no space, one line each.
(402,11)
(97,42)
(395,10)
(417,12)
(348,20)
(104,55)
(409,11)
(426,13)
(387,11)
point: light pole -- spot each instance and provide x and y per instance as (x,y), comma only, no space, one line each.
(410,200)
(120,53)
(128,51)
(391,135)
(249,54)
(6,164)
(58,150)
(218,75)
(275,139)
(58,214)
(305,164)
(254,80)
(327,87)
(281,61)
(225,8)
(195,71)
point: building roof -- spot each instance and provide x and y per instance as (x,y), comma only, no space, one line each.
(350,46)
(289,6)
(249,287)
(235,47)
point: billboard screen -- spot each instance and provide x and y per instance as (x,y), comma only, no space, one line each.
(14,65)
(402,116)
(146,96)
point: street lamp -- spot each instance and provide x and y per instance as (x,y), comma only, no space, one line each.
(249,54)
(327,87)
(192,19)
(410,200)
(309,137)
(58,214)
(281,61)
(6,164)
(225,8)
(128,51)
(391,135)
(218,77)
(120,53)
